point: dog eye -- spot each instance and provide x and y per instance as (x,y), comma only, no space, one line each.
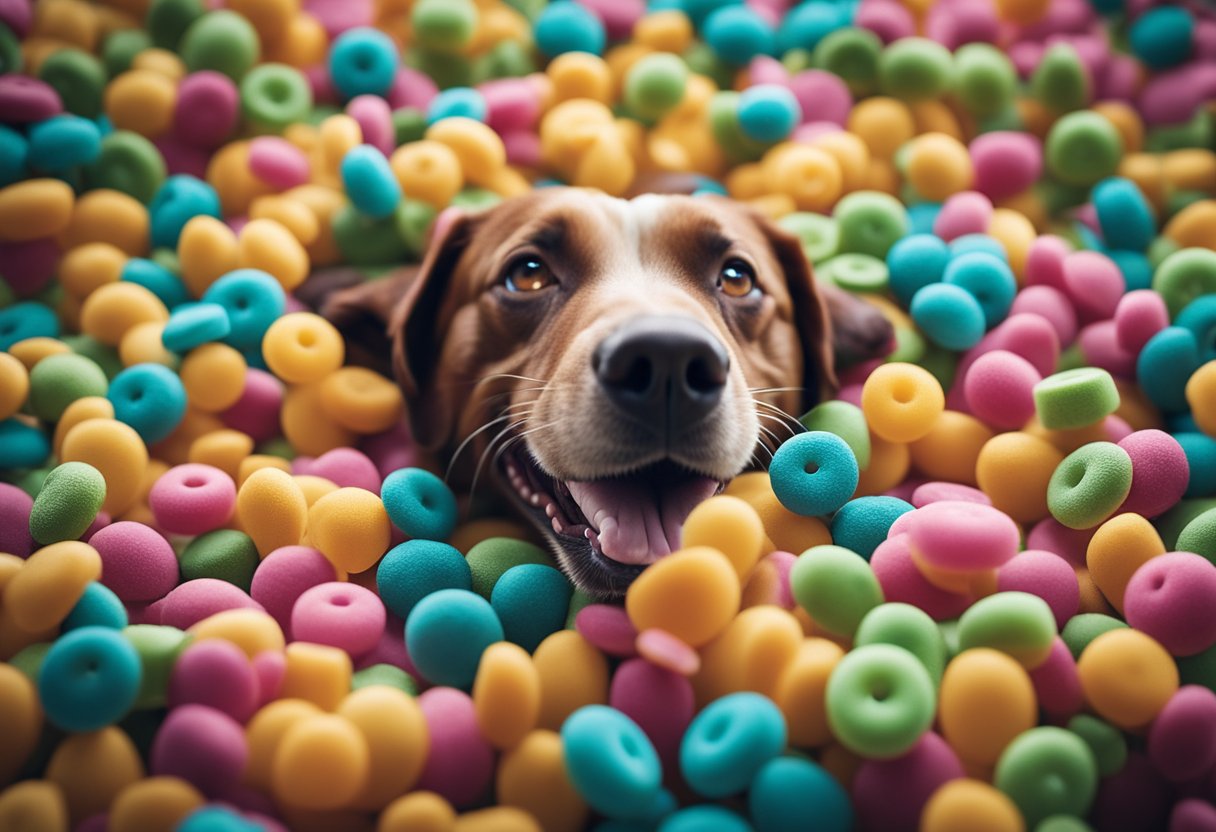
(528,274)
(737,279)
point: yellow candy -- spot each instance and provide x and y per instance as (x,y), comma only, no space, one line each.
(506,694)
(157,804)
(269,246)
(251,630)
(480,151)
(20,720)
(10,565)
(108,216)
(32,350)
(89,266)
(986,700)
(801,692)
(397,740)
(810,176)
(751,654)
(580,75)
(361,400)
(93,769)
(35,208)
(114,449)
(214,377)
(731,526)
(207,250)
(889,466)
(884,124)
(33,806)
(784,529)
(938,166)
(1015,232)
(429,171)
(692,594)
(1118,548)
(272,18)
(144,344)
(1201,396)
(14,385)
(111,311)
(322,762)
(271,509)
(573,673)
(339,134)
(1125,120)
(223,449)
(664,31)
(963,805)
(350,527)
(931,116)
(1194,226)
(1127,677)
(162,61)
(532,776)
(176,449)
(228,172)
(292,214)
(142,101)
(256,462)
(1023,12)
(1013,469)
(306,424)
(301,348)
(43,593)
(314,488)
(264,733)
(497,819)
(1191,168)
(851,154)
(81,410)
(901,402)
(418,812)
(317,673)
(950,449)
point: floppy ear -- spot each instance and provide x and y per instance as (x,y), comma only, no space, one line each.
(361,311)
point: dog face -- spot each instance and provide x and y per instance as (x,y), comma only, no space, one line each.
(610,363)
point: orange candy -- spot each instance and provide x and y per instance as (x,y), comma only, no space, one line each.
(987,699)
(397,740)
(573,673)
(692,594)
(506,694)
(532,776)
(1127,677)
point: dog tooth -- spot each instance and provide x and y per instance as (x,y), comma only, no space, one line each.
(557,526)
(551,510)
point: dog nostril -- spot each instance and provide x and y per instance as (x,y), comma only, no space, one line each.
(638,376)
(703,378)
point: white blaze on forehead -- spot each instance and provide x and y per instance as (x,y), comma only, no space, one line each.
(632,221)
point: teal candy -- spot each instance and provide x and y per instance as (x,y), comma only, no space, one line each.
(1089,485)
(1124,214)
(217,818)
(655,84)
(366,241)
(419,503)
(1061,82)
(989,280)
(870,222)
(736,34)
(78,77)
(446,633)
(180,199)
(222,41)
(457,102)
(22,445)
(724,124)
(1200,450)
(1012,622)
(1083,628)
(1105,742)
(1199,317)
(98,607)
(921,217)
(58,380)
(156,279)
(1047,771)
(490,558)
(149,398)
(853,54)
(880,701)
(808,24)
(384,674)
(728,742)
(977,243)
(192,325)
(413,570)
(793,793)
(819,236)
(1199,536)
(224,554)
(702,819)
(27,319)
(252,300)
(768,112)
(531,601)
(129,163)
(89,679)
(568,27)
(862,524)
(949,316)
(274,96)
(369,182)
(444,24)
(836,587)
(1083,148)
(985,80)
(915,69)
(1185,275)
(846,421)
(70,498)
(909,627)
(1163,37)
(121,47)
(814,473)
(915,262)
(14,152)
(696,10)
(413,218)
(63,142)
(1137,269)
(611,762)
(168,20)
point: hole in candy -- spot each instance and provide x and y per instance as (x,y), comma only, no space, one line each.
(136,395)
(194,482)
(716,729)
(306,338)
(880,693)
(629,745)
(903,392)
(811,468)
(1074,476)
(1158,581)
(340,601)
(241,303)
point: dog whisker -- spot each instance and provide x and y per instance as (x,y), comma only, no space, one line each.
(474,435)
(775,389)
(789,429)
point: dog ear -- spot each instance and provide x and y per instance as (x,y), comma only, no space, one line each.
(360,310)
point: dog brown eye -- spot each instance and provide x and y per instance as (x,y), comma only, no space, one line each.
(737,279)
(528,274)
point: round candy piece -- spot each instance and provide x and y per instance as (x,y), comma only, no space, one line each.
(814,473)
(1128,677)
(58,380)
(149,398)
(137,563)
(949,316)
(70,497)
(1182,741)
(611,762)
(999,388)
(192,499)
(1169,599)
(1048,771)
(89,679)
(342,615)
(836,586)
(962,536)
(413,570)
(729,741)
(987,700)
(1160,472)
(768,112)
(531,601)
(880,701)
(419,503)
(363,61)
(862,524)
(1075,398)
(1083,148)
(446,633)
(824,805)
(1015,623)
(1090,485)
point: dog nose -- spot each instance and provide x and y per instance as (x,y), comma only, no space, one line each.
(666,371)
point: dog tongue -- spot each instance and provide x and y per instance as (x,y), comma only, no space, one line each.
(640,520)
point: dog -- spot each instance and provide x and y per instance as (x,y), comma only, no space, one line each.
(614,361)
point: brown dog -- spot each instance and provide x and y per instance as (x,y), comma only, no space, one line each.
(614,362)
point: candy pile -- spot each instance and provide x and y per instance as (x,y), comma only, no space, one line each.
(979,592)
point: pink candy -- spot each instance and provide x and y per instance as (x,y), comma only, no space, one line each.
(1094,283)
(968,212)
(936,492)
(1100,346)
(1057,685)
(512,104)
(342,615)
(1171,599)
(963,536)
(1006,163)
(822,96)
(344,467)
(1182,739)
(460,764)
(608,627)
(953,24)
(207,109)
(15,506)
(411,88)
(202,598)
(215,673)
(1160,472)
(278,162)
(1046,575)
(902,582)
(889,20)
(375,120)
(1139,316)
(29,264)
(256,412)
(1045,262)
(659,701)
(669,652)
(618,16)
(136,562)
(269,669)
(192,499)
(284,575)
(201,745)
(999,388)
(890,794)
(1050,304)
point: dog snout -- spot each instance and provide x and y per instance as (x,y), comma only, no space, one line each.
(663,370)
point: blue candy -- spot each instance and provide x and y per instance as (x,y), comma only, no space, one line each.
(89,679)
(446,633)
(419,503)
(736,34)
(768,113)
(213,818)
(808,24)
(156,279)
(969,243)
(1136,268)
(531,601)
(611,762)
(414,569)
(568,27)
(180,199)
(915,262)
(949,316)
(370,182)
(97,607)
(706,818)
(1199,316)
(149,398)
(462,102)
(1200,450)
(22,445)
(26,320)
(253,300)
(988,279)
(814,473)
(921,217)
(14,154)
(1124,214)
(1164,366)
(363,61)
(795,793)
(63,142)
(862,524)
(194,324)
(729,741)
(1163,37)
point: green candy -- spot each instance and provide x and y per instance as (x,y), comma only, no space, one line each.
(655,84)
(1089,485)
(79,78)
(414,218)
(129,163)
(473,200)
(491,557)
(1063,823)
(1197,132)
(1083,148)
(120,49)
(836,587)
(880,701)
(1075,398)
(11,59)
(1171,524)
(68,502)
(1199,536)
(797,60)
(578,600)
(856,272)
(1016,623)
(384,674)
(940,362)
(508,59)
(1105,742)
(909,627)
(1159,249)
(222,41)
(846,421)
(1048,771)
(914,69)
(443,24)
(1184,276)
(1061,82)
(409,125)
(949,631)
(1199,669)
(910,347)
(168,20)
(854,55)
(274,96)
(31,481)
(158,647)
(818,234)
(985,80)
(724,123)
(1083,628)
(224,554)
(278,446)
(1006,119)
(58,380)
(366,241)
(870,222)
(29,659)
(444,68)
(702,60)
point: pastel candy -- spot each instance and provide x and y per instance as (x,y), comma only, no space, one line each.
(1160,472)
(729,741)
(999,388)
(137,563)
(89,679)
(531,601)
(217,674)
(201,598)
(962,535)
(831,485)
(888,794)
(446,633)
(342,615)
(1046,575)
(461,763)
(70,498)
(624,783)
(1168,598)
(1182,743)
(1075,398)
